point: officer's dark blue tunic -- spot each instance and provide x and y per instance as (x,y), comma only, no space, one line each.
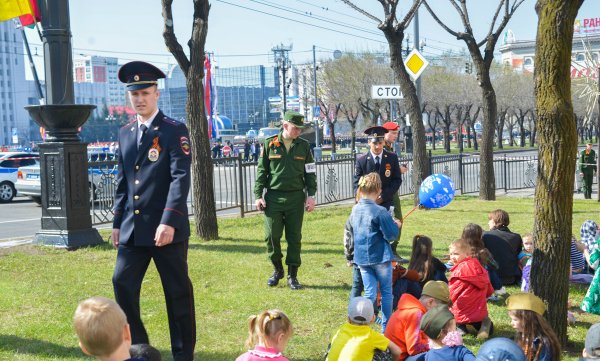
(152,188)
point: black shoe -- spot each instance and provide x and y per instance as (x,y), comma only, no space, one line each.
(277,274)
(292,278)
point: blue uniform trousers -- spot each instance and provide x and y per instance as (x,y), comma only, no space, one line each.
(171,263)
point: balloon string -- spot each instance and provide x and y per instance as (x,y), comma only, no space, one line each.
(407,214)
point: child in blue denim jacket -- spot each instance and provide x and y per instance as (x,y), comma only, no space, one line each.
(373,228)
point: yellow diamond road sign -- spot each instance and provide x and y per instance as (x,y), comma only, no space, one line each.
(415,63)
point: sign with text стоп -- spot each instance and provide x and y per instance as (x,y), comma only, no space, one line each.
(386,92)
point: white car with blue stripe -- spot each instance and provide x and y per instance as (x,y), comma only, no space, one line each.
(101,174)
(9,165)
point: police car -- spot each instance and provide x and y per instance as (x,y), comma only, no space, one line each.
(101,174)
(9,165)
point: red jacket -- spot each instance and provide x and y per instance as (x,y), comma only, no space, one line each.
(403,327)
(469,289)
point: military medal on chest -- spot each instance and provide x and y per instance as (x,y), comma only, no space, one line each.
(388,170)
(154,151)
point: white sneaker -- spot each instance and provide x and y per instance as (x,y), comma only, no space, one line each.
(500,292)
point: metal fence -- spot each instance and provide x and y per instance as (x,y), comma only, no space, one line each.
(234,180)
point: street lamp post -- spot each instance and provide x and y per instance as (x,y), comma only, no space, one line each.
(66,220)
(317,150)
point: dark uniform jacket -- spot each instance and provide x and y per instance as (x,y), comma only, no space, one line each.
(150,192)
(285,170)
(587,161)
(389,171)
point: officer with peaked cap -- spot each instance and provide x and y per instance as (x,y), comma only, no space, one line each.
(150,211)
(381,161)
(286,170)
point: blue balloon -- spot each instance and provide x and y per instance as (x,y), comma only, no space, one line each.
(436,191)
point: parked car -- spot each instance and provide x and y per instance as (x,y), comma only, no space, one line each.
(100,177)
(9,165)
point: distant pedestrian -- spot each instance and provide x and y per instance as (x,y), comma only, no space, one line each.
(246,150)
(256,151)
(587,167)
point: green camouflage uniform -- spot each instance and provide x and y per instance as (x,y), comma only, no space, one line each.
(587,166)
(287,175)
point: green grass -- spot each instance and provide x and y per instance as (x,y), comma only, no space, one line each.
(40,287)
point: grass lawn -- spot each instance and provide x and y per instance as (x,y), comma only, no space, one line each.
(40,287)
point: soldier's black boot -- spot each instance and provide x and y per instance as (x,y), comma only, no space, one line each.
(277,274)
(292,278)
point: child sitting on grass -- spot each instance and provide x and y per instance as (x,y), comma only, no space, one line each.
(592,344)
(373,229)
(102,329)
(356,340)
(472,234)
(269,333)
(445,341)
(534,333)
(421,260)
(469,289)
(527,251)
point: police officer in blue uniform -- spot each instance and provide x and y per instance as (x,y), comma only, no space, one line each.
(379,160)
(150,213)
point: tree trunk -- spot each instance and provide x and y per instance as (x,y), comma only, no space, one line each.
(420,164)
(553,209)
(332,136)
(487,182)
(205,214)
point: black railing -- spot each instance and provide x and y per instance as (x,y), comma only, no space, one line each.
(234,180)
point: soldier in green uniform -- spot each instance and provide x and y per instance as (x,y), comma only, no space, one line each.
(286,170)
(390,139)
(587,167)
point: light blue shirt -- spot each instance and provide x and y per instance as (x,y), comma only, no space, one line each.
(373,227)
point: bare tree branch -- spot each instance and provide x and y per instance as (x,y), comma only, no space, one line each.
(365,13)
(171,40)
(409,14)
(435,17)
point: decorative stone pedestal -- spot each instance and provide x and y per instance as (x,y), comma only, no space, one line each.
(66,220)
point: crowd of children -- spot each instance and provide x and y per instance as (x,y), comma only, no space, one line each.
(425,313)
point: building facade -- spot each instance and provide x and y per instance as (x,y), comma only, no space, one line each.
(14,120)
(100,70)
(242,94)
(520,55)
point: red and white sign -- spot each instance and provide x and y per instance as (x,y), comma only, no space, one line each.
(587,26)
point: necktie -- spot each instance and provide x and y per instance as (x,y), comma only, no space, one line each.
(142,131)
(377,163)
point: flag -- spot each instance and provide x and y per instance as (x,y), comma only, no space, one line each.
(30,19)
(14,8)
(209,95)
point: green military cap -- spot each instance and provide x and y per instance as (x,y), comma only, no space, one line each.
(434,321)
(526,301)
(295,118)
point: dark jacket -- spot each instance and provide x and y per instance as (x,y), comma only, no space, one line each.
(505,246)
(389,171)
(152,191)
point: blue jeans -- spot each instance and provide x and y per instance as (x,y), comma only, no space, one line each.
(357,283)
(494,278)
(372,275)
